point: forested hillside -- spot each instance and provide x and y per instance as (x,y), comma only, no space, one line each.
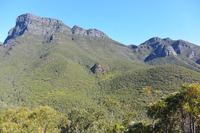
(54,78)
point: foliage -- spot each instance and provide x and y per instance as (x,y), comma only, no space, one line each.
(40,120)
(85,120)
(179,111)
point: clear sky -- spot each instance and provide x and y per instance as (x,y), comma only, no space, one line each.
(127,21)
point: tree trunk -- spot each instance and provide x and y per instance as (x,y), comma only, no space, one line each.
(192,124)
(183,126)
(167,128)
(153,126)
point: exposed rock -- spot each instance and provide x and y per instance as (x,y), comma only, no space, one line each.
(168,50)
(46,27)
(180,46)
(198,61)
(52,37)
(157,47)
(76,30)
(97,68)
(29,23)
(151,40)
(133,46)
(96,33)
(192,54)
(161,51)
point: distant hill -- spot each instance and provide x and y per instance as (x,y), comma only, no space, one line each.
(157,51)
(45,62)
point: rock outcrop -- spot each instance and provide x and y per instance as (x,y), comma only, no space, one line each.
(76,30)
(198,61)
(132,46)
(161,51)
(35,25)
(180,46)
(157,47)
(97,68)
(29,23)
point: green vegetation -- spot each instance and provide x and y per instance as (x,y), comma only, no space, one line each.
(40,120)
(175,113)
(56,74)
(36,72)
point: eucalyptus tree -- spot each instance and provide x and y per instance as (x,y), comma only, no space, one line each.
(178,112)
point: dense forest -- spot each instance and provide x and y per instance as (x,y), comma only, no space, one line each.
(178,112)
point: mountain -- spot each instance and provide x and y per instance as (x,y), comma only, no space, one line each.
(46,28)
(45,62)
(157,51)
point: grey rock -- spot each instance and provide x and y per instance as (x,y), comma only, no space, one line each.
(169,50)
(152,40)
(180,46)
(46,27)
(192,54)
(132,46)
(157,47)
(97,68)
(76,30)
(161,50)
(198,61)
(29,23)
(96,33)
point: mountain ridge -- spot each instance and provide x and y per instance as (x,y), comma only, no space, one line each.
(29,23)
(157,50)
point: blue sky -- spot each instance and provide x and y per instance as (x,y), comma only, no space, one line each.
(127,21)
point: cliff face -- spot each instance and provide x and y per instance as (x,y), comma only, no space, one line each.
(29,23)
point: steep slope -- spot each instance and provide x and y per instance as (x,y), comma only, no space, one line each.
(36,30)
(157,51)
(43,61)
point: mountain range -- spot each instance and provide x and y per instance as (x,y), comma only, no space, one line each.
(45,62)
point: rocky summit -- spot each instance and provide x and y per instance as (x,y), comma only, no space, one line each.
(43,27)
(156,48)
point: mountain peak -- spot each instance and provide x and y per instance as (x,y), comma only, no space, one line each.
(157,39)
(35,25)
(43,27)
(153,39)
(162,47)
